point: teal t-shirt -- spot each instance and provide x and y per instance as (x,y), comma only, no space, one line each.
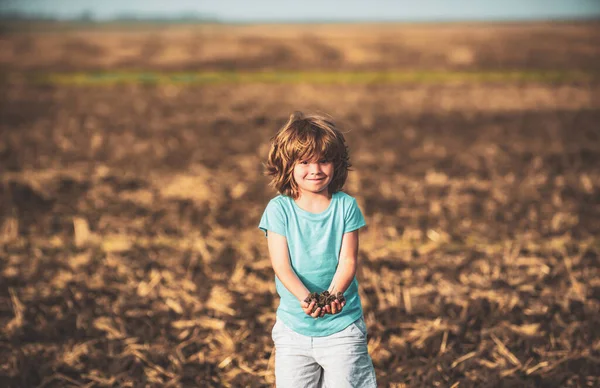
(314,242)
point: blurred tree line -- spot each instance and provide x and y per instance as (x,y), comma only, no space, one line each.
(88,16)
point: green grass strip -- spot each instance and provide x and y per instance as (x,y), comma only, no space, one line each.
(316,77)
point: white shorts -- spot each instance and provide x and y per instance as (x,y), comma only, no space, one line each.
(338,360)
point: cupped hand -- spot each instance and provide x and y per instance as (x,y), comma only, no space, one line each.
(308,309)
(334,307)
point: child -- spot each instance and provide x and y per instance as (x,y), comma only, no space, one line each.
(312,233)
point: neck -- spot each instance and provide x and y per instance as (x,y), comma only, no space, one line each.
(314,202)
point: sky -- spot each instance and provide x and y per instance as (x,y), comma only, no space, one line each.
(315,10)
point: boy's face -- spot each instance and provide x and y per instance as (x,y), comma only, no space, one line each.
(313,176)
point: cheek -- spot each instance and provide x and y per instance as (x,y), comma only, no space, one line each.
(297,173)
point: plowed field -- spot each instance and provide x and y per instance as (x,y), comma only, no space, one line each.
(129,248)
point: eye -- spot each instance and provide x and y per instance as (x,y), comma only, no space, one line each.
(323,161)
(303,162)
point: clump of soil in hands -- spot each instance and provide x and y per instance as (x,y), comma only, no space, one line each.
(323,299)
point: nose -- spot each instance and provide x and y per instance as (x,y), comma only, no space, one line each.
(315,168)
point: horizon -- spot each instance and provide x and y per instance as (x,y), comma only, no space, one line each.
(311,11)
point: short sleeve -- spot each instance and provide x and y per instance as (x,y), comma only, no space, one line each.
(353,218)
(273,219)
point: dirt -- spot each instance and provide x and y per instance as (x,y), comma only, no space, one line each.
(130,253)
(324,299)
(366,47)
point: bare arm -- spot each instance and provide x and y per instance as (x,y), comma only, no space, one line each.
(280,260)
(346,269)
(345,272)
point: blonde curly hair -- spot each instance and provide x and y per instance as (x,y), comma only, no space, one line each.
(306,137)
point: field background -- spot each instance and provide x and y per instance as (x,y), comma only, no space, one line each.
(129,249)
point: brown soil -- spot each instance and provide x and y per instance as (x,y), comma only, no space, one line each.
(501,46)
(323,299)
